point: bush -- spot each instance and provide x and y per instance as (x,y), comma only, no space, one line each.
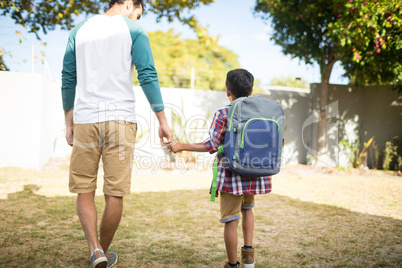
(393,155)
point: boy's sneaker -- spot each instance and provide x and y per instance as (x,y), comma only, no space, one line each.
(227,265)
(247,258)
(111,258)
(98,259)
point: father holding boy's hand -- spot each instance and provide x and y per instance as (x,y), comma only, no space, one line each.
(98,64)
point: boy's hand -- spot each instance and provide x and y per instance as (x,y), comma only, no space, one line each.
(176,147)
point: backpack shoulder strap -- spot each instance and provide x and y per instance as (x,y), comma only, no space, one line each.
(232,110)
(215,174)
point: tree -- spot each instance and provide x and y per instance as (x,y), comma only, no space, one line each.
(370,35)
(175,58)
(3,66)
(289,82)
(44,15)
(41,16)
(325,32)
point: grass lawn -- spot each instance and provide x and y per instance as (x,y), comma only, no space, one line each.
(309,220)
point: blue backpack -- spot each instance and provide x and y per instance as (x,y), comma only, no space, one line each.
(253,140)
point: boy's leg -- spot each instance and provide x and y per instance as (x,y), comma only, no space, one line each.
(230,236)
(248,226)
(247,252)
(248,218)
(230,206)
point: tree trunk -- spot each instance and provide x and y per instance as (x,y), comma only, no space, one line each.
(322,124)
(324,101)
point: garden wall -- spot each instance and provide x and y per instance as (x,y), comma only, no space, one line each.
(359,114)
(32,120)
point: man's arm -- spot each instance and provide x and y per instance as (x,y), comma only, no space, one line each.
(143,61)
(69,82)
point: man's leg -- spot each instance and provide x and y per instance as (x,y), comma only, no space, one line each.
(110,220)
(230,236)
(117,162)
(87,214)
(248,226)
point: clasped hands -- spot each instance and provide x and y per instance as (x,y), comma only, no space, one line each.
(174,147)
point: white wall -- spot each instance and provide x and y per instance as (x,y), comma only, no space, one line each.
(32,120)
(26,119)
(193,106)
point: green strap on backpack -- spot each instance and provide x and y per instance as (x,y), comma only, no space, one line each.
(215,174)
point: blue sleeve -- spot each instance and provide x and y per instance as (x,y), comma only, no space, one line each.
(143,61)
(69,72)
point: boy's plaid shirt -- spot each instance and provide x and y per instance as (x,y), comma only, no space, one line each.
(227,181)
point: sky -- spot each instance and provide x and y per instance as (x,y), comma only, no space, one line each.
(232,20)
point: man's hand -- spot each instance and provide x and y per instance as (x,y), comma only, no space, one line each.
(164,132)
(70,135)
(68,118)
(176,147)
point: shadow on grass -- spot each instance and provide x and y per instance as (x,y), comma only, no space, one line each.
(181,229)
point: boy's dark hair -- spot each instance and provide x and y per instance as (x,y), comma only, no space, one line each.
(239,82)
(136,3)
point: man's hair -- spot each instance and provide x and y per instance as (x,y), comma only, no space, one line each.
(136,3)
(239,82)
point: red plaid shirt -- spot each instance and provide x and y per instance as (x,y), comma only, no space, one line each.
(227,181)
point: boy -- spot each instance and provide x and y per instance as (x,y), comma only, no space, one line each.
(236,191)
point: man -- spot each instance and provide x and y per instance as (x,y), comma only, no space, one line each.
(98,63)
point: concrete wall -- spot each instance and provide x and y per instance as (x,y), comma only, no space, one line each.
(32,120)
(296,106)
(27,119)
(360,114)
(196,106)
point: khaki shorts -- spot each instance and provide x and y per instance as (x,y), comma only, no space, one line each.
(231,205)
(114,142)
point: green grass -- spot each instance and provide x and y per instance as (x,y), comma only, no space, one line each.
(182,229)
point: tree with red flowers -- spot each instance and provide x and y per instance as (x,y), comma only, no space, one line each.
(370,37)
(364,37)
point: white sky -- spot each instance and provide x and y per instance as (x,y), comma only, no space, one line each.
(231,20)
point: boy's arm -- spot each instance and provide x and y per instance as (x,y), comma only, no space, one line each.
(191,147)
(212,143)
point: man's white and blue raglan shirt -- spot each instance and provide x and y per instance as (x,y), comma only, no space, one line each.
(98,64)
